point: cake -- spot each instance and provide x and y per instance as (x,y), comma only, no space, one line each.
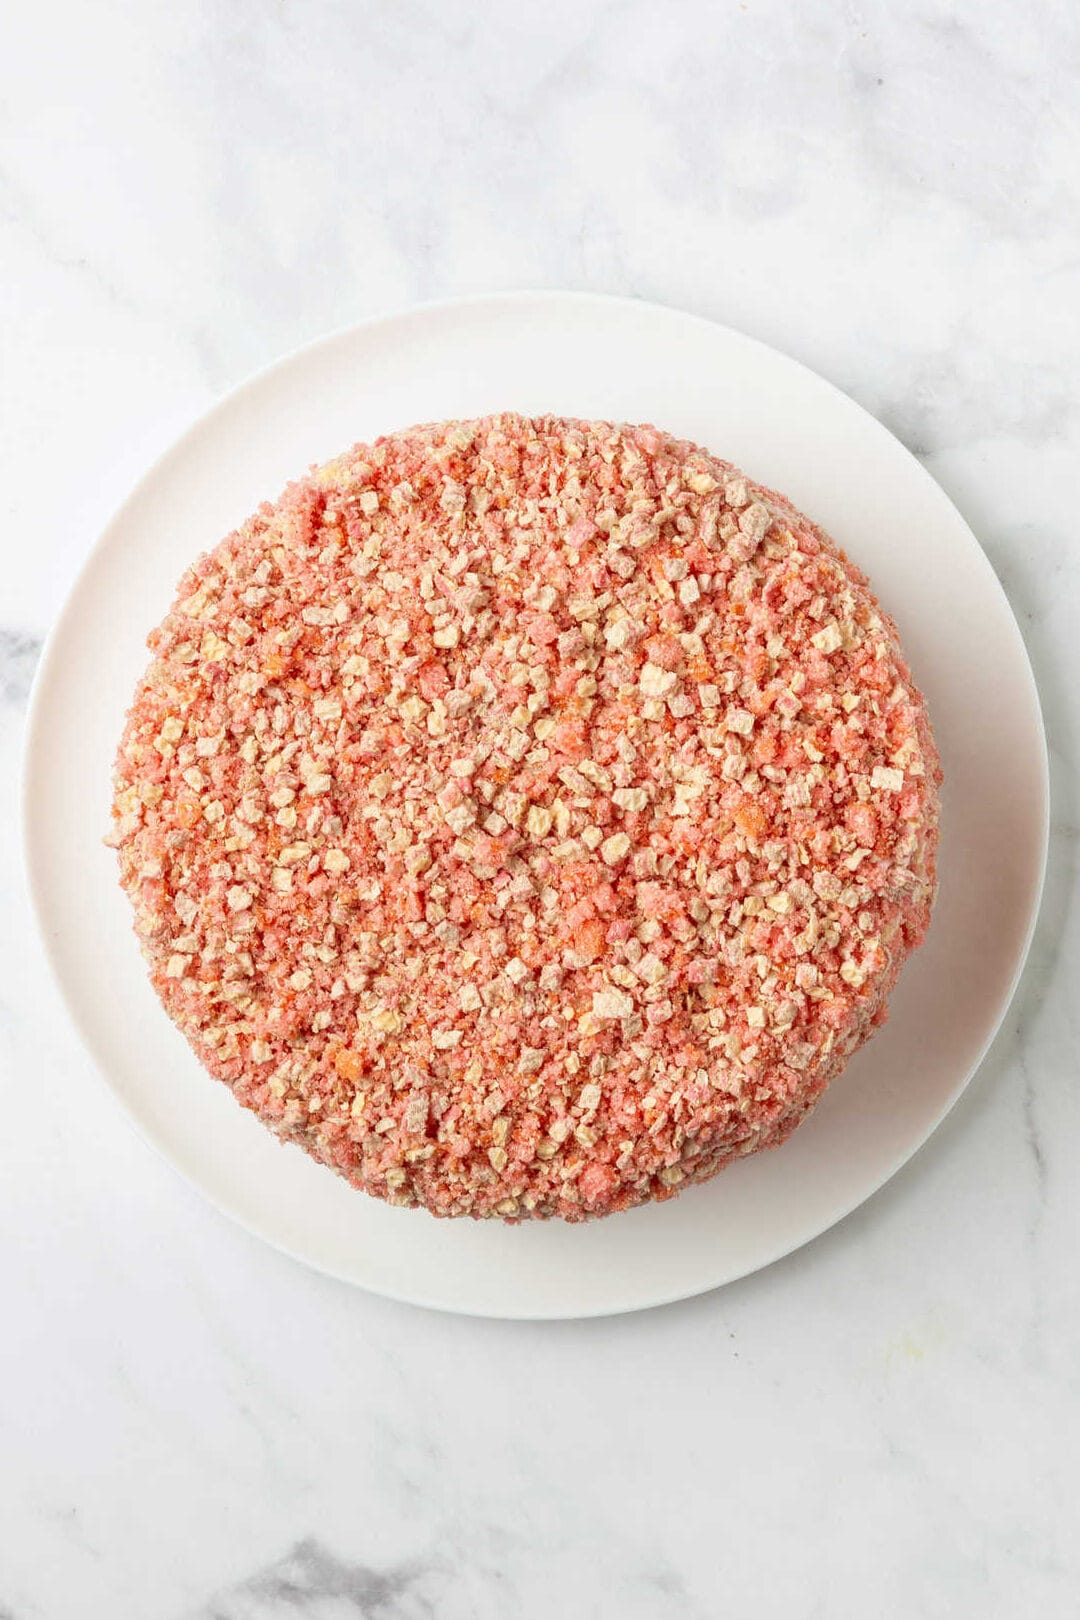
(527,816)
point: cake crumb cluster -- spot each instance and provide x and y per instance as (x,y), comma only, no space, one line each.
(527,816)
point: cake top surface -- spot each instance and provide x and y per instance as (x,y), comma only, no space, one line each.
(527,815)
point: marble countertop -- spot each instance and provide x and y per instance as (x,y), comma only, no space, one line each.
(192,1425)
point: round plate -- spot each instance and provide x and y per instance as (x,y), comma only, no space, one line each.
(585,356)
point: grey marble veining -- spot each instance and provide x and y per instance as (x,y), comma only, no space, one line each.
(19,653)
(194,1428)
(311,1580)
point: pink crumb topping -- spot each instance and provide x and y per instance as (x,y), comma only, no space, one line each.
(527,816)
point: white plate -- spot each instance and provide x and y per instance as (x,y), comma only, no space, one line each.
(592,357)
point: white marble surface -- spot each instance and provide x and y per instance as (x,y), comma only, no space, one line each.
(192,1426)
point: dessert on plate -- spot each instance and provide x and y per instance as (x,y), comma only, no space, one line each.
(527,816)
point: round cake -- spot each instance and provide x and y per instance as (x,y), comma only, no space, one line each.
(527,816)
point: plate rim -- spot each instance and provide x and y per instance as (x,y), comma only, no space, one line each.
(35,728)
